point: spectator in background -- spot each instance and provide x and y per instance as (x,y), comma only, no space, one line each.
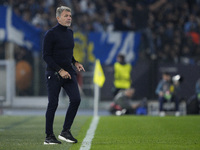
(123,104)
(197,89)
(191,23)
(122,74)
(166,91)
(193,103)
(122,17)
(186,55)
(164,54)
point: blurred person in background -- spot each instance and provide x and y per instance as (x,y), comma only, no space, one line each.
(58,47)
(123,104)
(166,91)
(122,74)
(193,103)
(197,87)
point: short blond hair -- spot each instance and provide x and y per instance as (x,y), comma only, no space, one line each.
(60,9)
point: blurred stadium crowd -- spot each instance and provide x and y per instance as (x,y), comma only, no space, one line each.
(170,28)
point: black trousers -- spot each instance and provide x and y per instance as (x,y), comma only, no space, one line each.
(54,84)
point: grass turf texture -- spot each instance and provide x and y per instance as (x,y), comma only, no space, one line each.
(148,133)
(117,133)
(28,132)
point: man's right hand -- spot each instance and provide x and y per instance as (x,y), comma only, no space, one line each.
(64,74)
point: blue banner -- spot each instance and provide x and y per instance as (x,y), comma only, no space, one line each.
(14,29)
(108,45)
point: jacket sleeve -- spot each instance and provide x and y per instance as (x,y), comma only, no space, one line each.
(159,88)
(48,51)
(74,60)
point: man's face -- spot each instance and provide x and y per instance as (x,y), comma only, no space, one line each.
(166,77)
(129,93)
(65,18)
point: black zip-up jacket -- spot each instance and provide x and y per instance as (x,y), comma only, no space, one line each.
(58,47)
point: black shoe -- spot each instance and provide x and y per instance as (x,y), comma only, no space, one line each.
(67,136)
(51,139)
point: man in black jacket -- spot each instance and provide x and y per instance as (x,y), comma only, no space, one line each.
(58,47)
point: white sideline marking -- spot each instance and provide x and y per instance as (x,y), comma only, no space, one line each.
(86,144)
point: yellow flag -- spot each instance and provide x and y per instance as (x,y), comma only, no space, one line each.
(99,77)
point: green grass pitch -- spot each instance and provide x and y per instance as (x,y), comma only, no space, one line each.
(112,133)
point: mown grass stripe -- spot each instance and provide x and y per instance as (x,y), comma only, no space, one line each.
(18,123)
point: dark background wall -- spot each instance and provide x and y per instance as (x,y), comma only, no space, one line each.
(145,77)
